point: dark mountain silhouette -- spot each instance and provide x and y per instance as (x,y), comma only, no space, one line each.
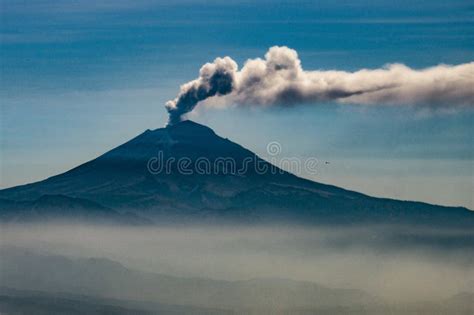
(60,207)
(228,182)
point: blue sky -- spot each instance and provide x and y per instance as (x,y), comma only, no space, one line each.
(79,78)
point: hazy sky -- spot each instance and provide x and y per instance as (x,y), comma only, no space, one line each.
(79,78)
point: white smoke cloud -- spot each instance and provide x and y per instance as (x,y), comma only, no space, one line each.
(280,80)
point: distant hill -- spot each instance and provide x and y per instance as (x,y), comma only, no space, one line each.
(29,270)
(121,180)
(63,208)
(40,283)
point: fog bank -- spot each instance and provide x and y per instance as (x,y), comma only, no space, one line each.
(395,263)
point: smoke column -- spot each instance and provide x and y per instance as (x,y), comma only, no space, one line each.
(215,78)
(280,80)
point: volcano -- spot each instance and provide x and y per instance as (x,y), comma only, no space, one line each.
(187,173)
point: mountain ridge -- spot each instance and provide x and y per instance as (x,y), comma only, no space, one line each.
(124,179)
(24,268)
(59,208)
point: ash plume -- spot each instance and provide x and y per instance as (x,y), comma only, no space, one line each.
(280,80)
(215,78)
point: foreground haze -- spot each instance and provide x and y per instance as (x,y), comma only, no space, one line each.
(363,269)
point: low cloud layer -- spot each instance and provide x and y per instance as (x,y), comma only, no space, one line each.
(396,263)
(280,80)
